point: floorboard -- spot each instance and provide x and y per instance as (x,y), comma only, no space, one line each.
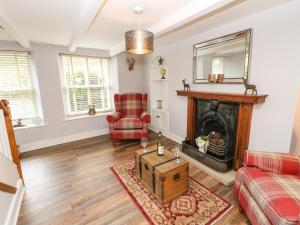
(72,184)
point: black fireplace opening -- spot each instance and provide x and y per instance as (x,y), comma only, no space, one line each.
(217,122)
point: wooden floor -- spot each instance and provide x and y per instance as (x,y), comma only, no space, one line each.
(73,184)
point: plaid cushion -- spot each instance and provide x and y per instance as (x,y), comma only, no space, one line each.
(145,117)
(144,102)
(283,163)
(128,123)
(131,105)
(277,195)
(128,134)
(114,117)
(117,100)
(254,213)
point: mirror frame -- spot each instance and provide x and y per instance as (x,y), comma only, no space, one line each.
(247,34)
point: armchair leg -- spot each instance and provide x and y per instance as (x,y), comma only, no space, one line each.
(114,142)
(241,210)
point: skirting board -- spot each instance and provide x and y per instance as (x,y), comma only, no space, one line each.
(15,206)
(61,140)
(167,134)
(224,178)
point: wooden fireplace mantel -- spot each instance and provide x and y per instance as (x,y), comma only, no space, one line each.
(229,97)
(246,103)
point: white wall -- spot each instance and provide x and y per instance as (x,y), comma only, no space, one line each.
(58,129)
(295,143)
(130,81)
(274,67)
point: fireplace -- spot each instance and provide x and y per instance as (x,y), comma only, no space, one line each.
(216,121)
(225,121)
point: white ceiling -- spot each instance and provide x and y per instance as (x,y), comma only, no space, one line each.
(98,24)
(117,17)
(44,21)
(5,36)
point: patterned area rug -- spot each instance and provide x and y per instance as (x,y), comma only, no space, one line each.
(198,206)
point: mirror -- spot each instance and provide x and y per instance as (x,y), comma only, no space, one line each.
(223,60)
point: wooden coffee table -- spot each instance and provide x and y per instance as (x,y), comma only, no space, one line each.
(162,175)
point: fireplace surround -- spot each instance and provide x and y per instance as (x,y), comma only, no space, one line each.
(216,121)
(229,117)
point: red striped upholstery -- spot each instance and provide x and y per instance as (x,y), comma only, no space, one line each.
(268,188)
(145,117)
(283,163)
(131,105)
(114,117)
(130,121)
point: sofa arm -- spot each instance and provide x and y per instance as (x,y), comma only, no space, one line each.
(145,117)
(282,163)
(113,118)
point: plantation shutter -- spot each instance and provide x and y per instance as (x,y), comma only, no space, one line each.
(16,85)
(86,82)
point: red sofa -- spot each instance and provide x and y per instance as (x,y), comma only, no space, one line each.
(130,121)
(268,188)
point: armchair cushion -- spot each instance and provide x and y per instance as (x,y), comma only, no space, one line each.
(276,194)
(131,105)
(113,118)
(128,123)
(281,163)
(145,117)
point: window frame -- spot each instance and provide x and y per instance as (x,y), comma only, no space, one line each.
(36,95)
(64,88)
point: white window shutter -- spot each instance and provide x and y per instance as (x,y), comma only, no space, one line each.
(16,85)
(85,82)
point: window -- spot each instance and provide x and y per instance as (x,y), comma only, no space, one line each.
(217,65)
(17,86)
(85,83)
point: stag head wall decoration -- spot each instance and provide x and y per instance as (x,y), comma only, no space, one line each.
(130,62)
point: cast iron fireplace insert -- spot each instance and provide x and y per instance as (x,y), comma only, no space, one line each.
(216,120)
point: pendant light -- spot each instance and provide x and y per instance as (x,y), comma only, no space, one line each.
(139,41)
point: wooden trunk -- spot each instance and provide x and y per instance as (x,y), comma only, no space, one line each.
(137,156)
(148,164)
(171,180)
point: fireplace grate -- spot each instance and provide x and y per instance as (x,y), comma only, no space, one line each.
(218,163)
(218,150)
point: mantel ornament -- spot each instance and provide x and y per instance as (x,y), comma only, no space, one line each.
(249,87)
(186,86)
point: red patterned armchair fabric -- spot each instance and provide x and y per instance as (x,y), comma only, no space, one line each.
(130,121)
(268,188)
(282,163)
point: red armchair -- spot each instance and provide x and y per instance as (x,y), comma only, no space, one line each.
(268,188)
(130,121)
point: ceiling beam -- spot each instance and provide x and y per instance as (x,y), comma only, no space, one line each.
(192,12)
(13,30)
(88,17)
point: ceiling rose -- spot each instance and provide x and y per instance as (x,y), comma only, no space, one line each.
(139,41)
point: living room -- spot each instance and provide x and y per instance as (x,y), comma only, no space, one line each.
(69,68)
